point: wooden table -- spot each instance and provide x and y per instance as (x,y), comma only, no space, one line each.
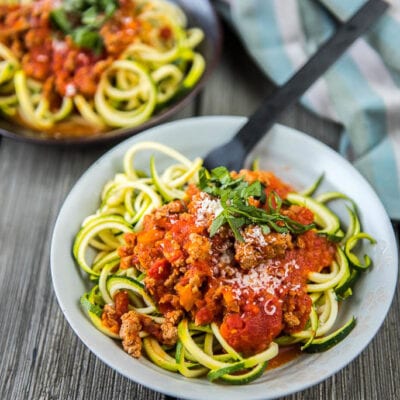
(40,356)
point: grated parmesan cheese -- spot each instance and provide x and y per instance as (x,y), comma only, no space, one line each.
(207,209)
(265,277)
(255,236)
(70,90)
(42,58)
(59,45)
(269,309)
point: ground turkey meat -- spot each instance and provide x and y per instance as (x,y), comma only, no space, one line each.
(132,323)
(258,247)
(129,333)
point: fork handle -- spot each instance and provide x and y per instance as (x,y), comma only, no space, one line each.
(273,105)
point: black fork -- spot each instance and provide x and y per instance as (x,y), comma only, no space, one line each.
(233,154)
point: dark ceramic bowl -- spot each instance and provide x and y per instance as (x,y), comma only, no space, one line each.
(200,13)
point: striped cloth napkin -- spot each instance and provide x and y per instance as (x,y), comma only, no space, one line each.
(361,91)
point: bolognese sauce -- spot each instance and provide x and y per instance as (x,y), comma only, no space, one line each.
(76,68)
(255,288)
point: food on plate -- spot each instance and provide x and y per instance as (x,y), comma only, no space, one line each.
(79,67)
(217,273)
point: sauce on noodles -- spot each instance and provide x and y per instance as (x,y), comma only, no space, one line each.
(58,65)
(255,289)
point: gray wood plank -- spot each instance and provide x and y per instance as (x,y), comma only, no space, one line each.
(40,355)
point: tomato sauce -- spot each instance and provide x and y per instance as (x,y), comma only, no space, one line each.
(285,355)
(254,289)
(49,56)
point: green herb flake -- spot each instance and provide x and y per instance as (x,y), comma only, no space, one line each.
(87,38)
(234,194)
(217,223)
(82,19)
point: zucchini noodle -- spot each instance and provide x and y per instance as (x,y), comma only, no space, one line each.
(137,81)
(202,349)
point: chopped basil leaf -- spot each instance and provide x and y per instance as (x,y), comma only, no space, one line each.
(60,19)
(265,229)
(87,38)
(90,16)
(255,190)
(82,19)
(234,194)
(217,223)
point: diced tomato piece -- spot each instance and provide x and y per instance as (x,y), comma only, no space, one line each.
(160,270)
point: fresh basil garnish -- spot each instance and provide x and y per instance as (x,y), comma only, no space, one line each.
(237,212)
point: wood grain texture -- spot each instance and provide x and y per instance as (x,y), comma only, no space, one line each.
(40,356)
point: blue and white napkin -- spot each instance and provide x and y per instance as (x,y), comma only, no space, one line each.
(361,91)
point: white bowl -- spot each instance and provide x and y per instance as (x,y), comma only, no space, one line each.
(298,159)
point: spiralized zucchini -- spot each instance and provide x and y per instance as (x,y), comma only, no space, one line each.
(126,200)
(143,80)
(202,350)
